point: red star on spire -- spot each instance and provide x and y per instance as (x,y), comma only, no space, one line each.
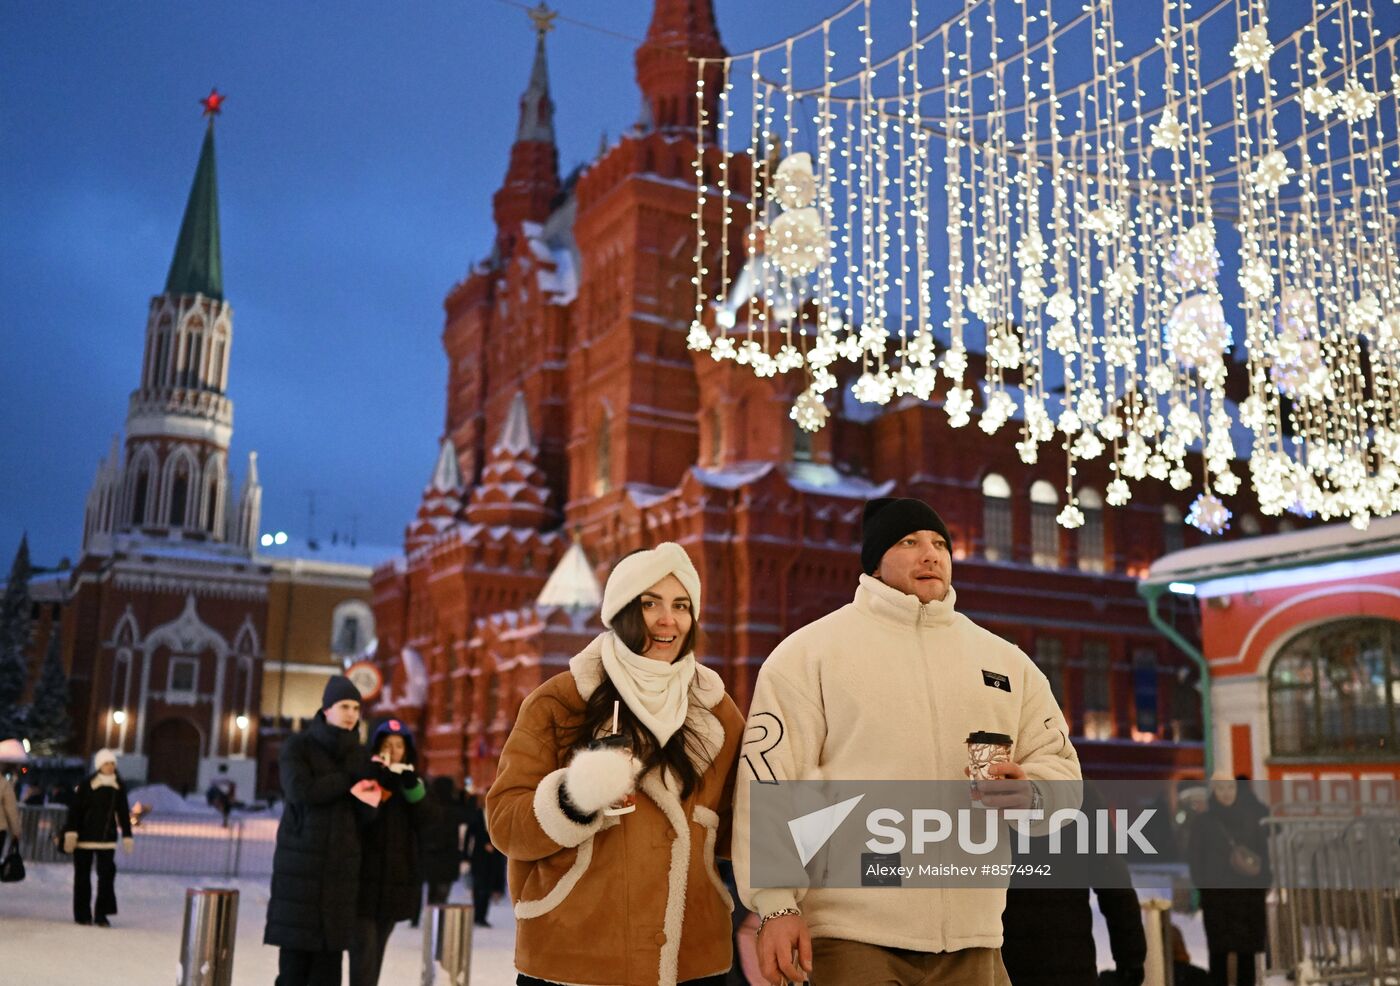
(213,103)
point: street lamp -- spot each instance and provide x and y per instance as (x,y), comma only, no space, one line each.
(119,716)
(241,722)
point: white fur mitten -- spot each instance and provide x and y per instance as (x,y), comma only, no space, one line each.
(595,779)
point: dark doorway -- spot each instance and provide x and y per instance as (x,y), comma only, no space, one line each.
(174,747)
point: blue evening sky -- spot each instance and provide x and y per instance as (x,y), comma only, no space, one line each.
(357,154)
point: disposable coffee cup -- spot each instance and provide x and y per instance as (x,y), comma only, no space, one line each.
(616,742)
(983,750)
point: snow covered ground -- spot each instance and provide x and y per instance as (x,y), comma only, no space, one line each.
(41,946)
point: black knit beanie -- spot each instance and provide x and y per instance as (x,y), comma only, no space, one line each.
(887,519)
(338,689)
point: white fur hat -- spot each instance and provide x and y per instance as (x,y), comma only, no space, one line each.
(638,572)
(103,756)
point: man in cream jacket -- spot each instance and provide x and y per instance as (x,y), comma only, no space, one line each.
(888,688)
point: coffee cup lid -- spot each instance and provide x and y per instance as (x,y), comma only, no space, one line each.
(999,739)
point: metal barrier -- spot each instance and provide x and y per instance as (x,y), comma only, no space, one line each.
(1335,915)
(447,943)
(206,943)
(1156,921)
(178,845)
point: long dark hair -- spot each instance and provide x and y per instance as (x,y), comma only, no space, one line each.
(681,752)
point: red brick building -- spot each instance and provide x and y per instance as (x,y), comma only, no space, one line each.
(1301,632)
(576,414)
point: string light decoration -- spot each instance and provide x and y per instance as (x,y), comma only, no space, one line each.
(1169,261)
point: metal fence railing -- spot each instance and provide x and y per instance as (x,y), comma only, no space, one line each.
(1335,916)
(177,845)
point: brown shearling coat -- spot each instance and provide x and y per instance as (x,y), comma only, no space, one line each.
(633,900)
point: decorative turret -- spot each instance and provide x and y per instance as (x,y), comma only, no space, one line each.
(100,516)
(573,584)
(513,490)
(679,31)
(442,499)
(532,180)
(179,420)
(249,519)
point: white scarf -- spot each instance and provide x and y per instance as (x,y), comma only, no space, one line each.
(103,780)
(657,693)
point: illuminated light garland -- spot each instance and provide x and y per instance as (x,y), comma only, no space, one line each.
(1007,182)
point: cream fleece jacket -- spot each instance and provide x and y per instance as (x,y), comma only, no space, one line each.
(886,688)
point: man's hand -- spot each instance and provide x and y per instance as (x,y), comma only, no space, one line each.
(1008,787)
(779,939)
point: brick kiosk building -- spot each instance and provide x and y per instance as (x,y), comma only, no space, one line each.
(579,426)
(1302,635)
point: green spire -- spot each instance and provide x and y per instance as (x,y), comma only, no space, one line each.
(196,268)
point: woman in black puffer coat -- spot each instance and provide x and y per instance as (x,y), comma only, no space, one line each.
(391,875)
(316,867)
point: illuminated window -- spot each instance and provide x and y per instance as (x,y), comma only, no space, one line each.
(1090,534)
(1334,690)
(996,518)
(1045,533)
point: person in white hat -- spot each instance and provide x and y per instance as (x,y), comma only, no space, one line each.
(98,812)
(611,846)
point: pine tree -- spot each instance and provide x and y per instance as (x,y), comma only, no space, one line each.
(49,725)
(15,616)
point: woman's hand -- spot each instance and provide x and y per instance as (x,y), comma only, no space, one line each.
(785,950)
(598,778)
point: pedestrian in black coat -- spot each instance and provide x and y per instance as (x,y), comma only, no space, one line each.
(1233,886)
(1048,933)
(316,866)
(97,813)
(488,865)
(391,875)
(440,839)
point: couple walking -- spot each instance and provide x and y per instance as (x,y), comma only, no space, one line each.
(611,843)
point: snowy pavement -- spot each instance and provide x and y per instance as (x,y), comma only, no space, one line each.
(41,946)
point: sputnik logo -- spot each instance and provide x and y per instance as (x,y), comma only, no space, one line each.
(812,831)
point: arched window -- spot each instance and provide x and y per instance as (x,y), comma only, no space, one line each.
(179,495)
(211,505)
(143,493)
(996,518)
(352,628)
(716,436)
(801,443)
(1090,534)
(602,456)
(1333,690)
(1045,533)
(1172,530)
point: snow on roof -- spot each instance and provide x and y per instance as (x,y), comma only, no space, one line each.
(572,584)
(813,477)
(733,477)
(336,551)
(1316,545)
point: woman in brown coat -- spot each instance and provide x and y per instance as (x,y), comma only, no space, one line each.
(611,847)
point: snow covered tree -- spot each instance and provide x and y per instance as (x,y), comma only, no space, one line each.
(15,616)
(49,725)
